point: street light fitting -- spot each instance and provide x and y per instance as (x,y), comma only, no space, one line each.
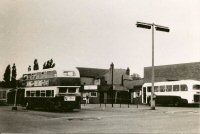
(149,25)
(163,29)
(143,25)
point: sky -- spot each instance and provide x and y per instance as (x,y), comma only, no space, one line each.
(94,33)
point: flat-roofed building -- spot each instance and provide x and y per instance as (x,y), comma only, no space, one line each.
(173,72)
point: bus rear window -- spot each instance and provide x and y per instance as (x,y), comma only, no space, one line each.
(196,87)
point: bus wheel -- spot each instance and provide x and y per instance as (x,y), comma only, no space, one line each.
(176,103)
(149,101)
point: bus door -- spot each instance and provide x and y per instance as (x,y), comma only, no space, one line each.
(144,94)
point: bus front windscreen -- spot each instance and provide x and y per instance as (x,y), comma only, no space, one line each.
(196,87)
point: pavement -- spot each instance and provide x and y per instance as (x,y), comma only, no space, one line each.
(105,119)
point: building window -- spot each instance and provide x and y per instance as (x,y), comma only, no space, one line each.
(28,93)
(93,94)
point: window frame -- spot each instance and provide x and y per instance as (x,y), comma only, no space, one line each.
(166,88)
(186,87)
(91,94)
(176,90)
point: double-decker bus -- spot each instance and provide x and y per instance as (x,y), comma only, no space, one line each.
(52,89)
(173,92)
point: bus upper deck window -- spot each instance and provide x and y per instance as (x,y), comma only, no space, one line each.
(196,87)
(68,73)
(175,87)
(184,88)
(54,73)
(71,90)
(62,90)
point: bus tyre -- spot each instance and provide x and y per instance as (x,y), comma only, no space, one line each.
(149,101)
(176,103)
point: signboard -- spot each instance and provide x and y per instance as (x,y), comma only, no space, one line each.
(90,87)
(37,83)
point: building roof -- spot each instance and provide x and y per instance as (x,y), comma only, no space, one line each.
(91,72)
(133,83)
(174,72)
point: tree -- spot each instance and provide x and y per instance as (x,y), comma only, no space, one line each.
(36,66)
(7,76)
(128,71)
(13,77)
(136,76)
(29,68)
(49,64)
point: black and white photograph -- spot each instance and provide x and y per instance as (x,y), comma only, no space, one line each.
(100,66)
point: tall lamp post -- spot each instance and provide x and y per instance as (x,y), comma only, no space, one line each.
(112,68)
(158,28)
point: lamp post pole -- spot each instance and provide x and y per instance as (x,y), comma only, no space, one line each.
(152,89)
(112,68)
(158,28)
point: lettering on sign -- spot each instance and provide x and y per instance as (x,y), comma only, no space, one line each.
(37,83)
